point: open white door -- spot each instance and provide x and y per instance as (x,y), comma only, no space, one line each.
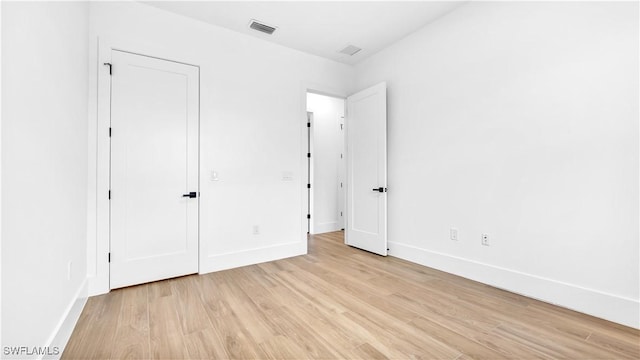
(154,168)
(366,124)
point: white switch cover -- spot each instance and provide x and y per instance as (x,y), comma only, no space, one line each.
(214,176)
(453,234)
(287,176)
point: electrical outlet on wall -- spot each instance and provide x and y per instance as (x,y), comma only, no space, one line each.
(69,265)
(256,229)
(453,234)
(485,239)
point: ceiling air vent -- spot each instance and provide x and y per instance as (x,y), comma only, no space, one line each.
(256,25)
(350,50)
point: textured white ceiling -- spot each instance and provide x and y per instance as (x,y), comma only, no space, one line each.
(322,28)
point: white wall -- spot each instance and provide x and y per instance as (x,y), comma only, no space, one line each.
(328,140)
(519,120)
(44,167)
(252,117)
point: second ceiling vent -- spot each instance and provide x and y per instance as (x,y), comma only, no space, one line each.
(350,50)
(262,27)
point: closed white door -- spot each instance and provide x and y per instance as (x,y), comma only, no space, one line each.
(154,168)
(366,124)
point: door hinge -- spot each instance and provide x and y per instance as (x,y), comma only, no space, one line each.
(340,156)
(110,68)
(341,126)
(308,124)
(340,213)
(308,155)
(308,186)
(308,216)
(109,132)
(109,194)
(340,184)
(109,257)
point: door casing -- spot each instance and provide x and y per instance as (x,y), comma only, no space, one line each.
(98,217)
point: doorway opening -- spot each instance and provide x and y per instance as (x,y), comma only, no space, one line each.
(326,163)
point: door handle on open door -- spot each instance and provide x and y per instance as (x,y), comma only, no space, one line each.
(380,189)
(190,195)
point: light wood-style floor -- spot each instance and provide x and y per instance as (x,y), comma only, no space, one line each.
(337,302)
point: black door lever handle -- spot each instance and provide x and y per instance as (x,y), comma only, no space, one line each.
(190,195)
(380,189)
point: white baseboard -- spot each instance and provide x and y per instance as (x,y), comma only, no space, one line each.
(325,227)
(98,285)
(611,307)
(217,262)
(61,334)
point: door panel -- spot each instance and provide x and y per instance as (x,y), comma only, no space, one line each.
(154,161)
(367,169)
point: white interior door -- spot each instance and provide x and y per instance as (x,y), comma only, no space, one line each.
(367,169)
(154,163)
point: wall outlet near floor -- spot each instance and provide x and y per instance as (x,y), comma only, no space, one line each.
(485,239)
(453,234)
(69,265)
(256,229)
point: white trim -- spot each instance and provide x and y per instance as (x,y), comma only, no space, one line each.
(1,343)
(97,263)
(611,307)
(217,262)
(62,332)
(326,227)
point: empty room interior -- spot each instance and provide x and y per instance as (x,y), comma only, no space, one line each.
(320,180)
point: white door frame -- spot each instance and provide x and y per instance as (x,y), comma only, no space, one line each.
(326,91)
(99,145)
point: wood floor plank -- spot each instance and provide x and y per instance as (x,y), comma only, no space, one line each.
(455,340)
(214,297)
(166,340)
(84,333)
(98,329)
(296,328)
(132,335)
(190,311)
(337,302)
(619,344)
(236,339)
(343,334)
(159,289)
(412,344)
(205,344)
(282,347)
(262,327)
(366,351)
